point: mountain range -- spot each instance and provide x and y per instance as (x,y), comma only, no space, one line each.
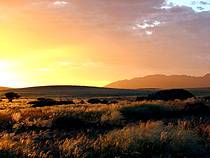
(163,81)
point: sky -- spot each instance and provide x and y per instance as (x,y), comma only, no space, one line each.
(95,42)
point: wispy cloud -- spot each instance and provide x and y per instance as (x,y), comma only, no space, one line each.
(60,3)
(149,33)
(148,24)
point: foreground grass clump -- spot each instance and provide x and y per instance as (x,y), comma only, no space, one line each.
(6,120)
(150,139)
(143,140)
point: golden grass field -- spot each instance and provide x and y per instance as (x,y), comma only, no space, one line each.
(101,130)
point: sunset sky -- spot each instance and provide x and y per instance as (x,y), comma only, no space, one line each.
(95,42)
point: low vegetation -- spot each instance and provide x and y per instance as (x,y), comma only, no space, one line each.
(123,128)
(171,94)
(11,96)
(49,102)
(101,101)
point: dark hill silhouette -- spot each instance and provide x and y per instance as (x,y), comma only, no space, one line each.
(75,91)
(163,81)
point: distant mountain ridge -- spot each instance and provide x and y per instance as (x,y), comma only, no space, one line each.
(163,81)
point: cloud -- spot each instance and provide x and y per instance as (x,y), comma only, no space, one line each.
(149,33)
(195,5)
(60,3)
(148,24)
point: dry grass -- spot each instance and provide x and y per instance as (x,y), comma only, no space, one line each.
(85,130)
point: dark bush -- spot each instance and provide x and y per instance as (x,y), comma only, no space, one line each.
(150,111)
(104,101)
(43,102)
(8,154)
(196,108)
(49,102)
(171,94)
(145,112)
(11,96)
(113,102)
(101,101)
(68,122)
(206,98)
(64,102)
(141,98)
(97,101)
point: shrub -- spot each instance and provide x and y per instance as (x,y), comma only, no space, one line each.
(141,99)
(64,102)
(104,101)
(196,108)
(113,102)
(68,122)
(49,102)
(147,111)
(43,102)
(97,101)
(206,98)
(101,101)
(7,154)
(171,94)
(11,96)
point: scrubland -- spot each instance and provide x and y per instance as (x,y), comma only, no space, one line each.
(125,129)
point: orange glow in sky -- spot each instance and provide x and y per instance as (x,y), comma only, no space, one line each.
(49,42)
